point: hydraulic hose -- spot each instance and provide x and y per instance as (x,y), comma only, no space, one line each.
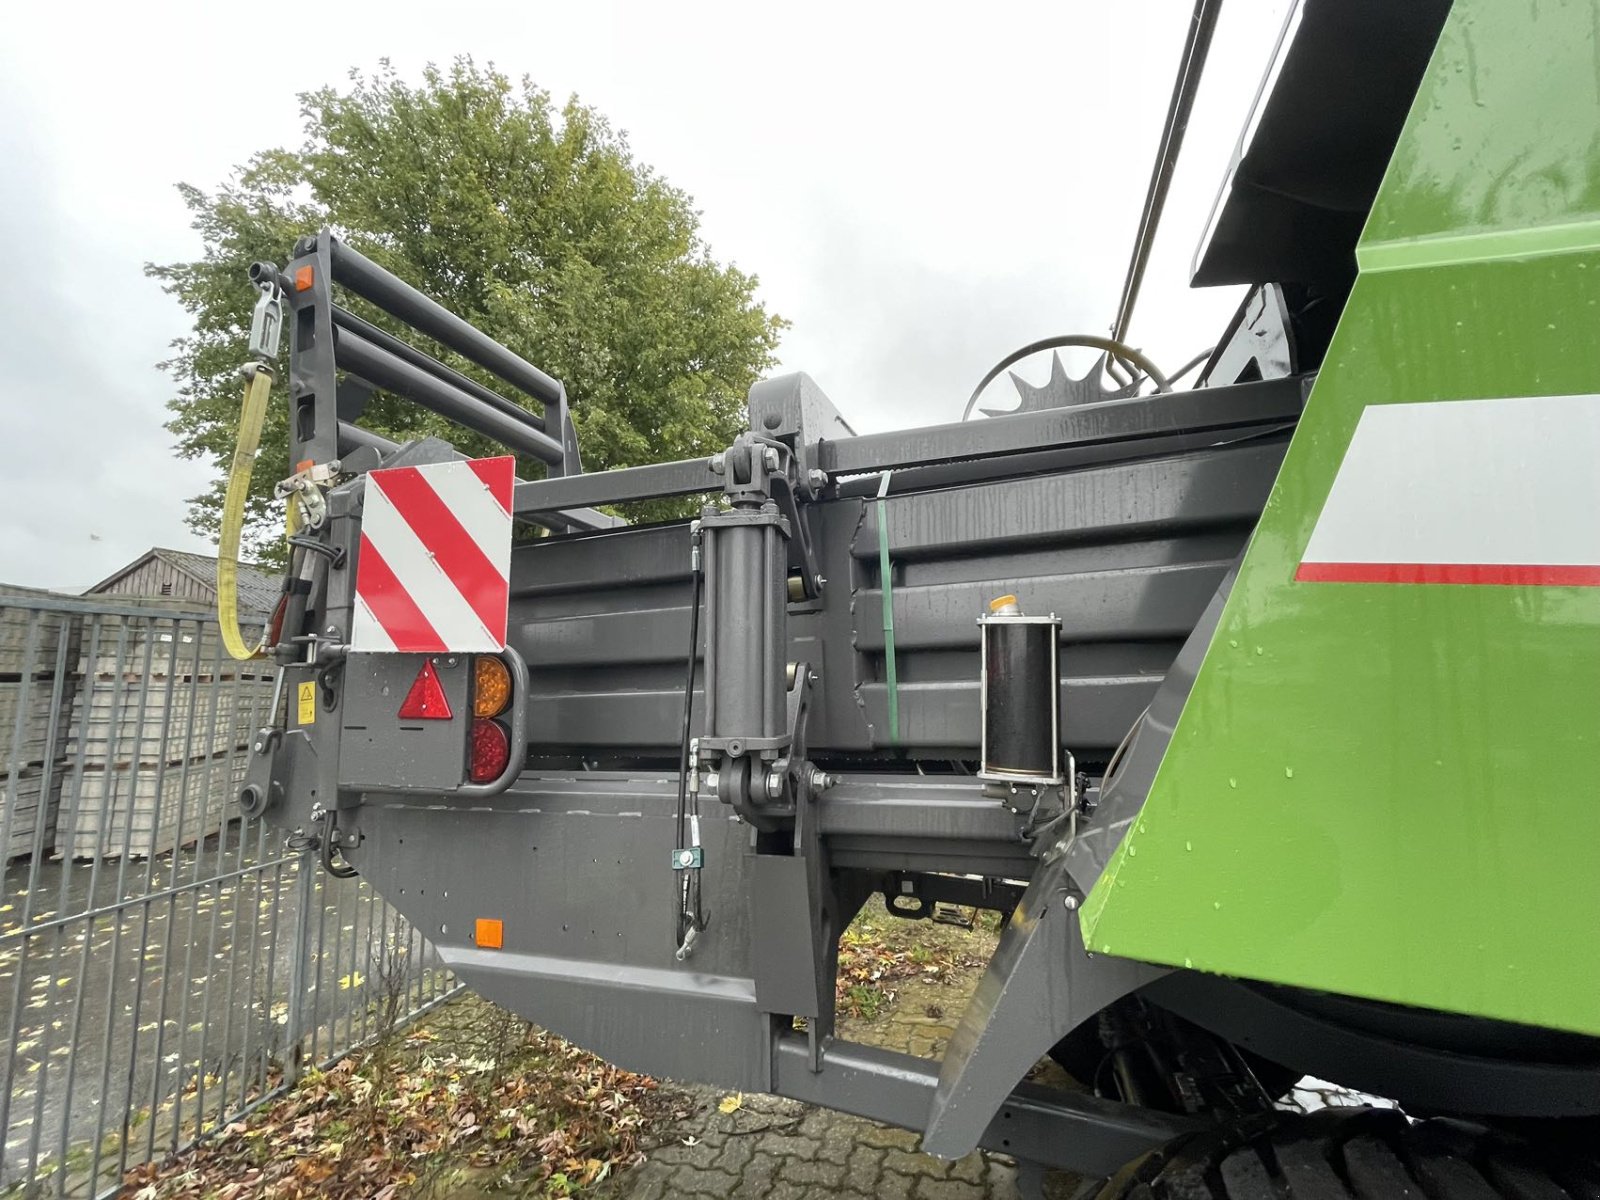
(258,385)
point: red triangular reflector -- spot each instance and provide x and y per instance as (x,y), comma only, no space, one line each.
(425,701)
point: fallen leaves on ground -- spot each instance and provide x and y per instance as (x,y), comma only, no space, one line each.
(878,951)
(545,1115)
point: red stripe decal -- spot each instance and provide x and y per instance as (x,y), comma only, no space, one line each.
(466,566)
(391,605)
(1493,574)
(498,475)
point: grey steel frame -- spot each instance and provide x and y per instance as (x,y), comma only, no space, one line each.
(1121,516)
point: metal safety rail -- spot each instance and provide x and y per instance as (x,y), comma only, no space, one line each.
(340,358)
(163,969)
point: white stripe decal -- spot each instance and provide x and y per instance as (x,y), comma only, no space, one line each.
(480,514)
(1468,487)
(427,584)
(368,632)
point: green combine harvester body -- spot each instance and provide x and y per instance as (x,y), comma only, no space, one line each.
(1386,782)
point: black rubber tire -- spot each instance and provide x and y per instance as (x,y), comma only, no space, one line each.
(1360,1154)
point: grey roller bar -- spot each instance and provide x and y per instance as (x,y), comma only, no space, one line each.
(914,807)
(1067,1130)
(353,437)
(683,478)
(1243,404)
(965,472)
(344,319)
(383,369)
(367,279)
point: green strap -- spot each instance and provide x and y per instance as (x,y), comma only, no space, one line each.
(886,576)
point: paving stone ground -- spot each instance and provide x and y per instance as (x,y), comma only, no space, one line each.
(779,1149)
(783,1150)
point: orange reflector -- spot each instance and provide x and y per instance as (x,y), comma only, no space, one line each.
(489,933)
(491,686)
(305,464)
(491,751)
(303,278)
(426,700)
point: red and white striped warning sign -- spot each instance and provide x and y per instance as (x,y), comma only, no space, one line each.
(435,562)
(1502,492)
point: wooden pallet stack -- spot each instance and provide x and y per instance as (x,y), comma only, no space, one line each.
(32,766)
(160,725)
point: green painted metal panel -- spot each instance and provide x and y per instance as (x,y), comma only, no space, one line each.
(1392,790)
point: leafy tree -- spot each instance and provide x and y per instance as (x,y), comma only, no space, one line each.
(533,223)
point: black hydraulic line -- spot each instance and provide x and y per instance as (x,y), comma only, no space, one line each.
(297,595)
(689,913)
(343,318)
(1201,26)
(385,370)
(337,869)
(367,279)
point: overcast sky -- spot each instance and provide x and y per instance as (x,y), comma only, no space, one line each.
(920,187)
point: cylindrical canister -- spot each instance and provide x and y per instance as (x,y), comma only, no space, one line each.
(1021,696)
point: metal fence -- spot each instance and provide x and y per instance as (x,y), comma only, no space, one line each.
(163,968)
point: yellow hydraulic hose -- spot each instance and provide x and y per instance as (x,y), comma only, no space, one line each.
(258,384)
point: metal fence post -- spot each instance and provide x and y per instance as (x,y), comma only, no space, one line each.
(146,935)
(299,965)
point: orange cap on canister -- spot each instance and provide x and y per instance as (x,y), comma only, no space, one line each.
(1000,602)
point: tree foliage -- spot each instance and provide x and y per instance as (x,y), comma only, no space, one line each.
(533,222)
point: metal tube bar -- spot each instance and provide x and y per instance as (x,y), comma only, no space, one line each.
(353,437)
(187,746)
(89,921)
(344,319)
(250,996)
(915,808)
(1243,404)
(964,472)
(203,774)
(135,901)
(1184,88)
(385,370)
(101,849)
(30,659)
(71,604)
(163,743)
(367,279)
(270,984)
(1067,1130)
(293,1032)
(655,481)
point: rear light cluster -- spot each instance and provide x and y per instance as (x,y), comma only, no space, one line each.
(489,747)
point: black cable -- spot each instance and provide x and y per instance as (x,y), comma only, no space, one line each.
(330,835)
(686,912)
(334,554)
